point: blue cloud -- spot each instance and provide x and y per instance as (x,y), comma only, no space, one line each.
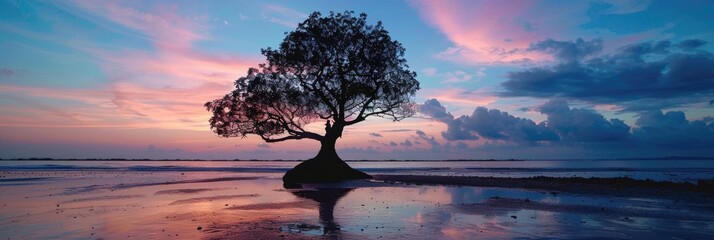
(673,130)
(691,44)
(645,76)
(568,50)
(496,125)
(493,125)
(581,127)
(434,109)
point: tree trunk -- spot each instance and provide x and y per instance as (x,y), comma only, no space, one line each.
(325,167)
(327,150)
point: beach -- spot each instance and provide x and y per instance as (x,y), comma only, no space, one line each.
(131,203)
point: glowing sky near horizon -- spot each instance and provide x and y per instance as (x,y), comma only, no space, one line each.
(128,79)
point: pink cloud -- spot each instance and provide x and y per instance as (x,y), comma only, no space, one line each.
(121,105)
(174,57)
(496,32)
(164,26)
(282,15)
(460,97)
(500,32)
(483,32)
(161,87)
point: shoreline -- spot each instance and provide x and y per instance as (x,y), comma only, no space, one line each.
(618,186)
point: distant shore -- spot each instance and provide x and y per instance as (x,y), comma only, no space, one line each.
(619,186)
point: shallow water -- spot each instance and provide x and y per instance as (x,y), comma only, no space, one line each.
(195,205)
(679,170)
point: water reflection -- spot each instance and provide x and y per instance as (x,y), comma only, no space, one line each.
(258,208)
(327,199)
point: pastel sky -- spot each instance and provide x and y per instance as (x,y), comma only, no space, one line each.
(500,79)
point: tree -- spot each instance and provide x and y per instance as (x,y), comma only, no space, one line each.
(336,69)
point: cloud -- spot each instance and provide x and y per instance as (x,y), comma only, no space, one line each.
(429,139)
(481,96)
(263,145)
(496,125)
(284,16)
(160,85)
(374,134)
(173,36)
(498,32)
(457,76)
(489,124)
(486,32)
(650,75)
(456,131)
(568,51)
(625,6)
(157,150)
(122,104)
(673,130)
(691,44)
(359,153)
(582,125)
(6,72)
(173,59)
(492,124)
(434,109)
(430,72)
(33,106)
(579,127)
(399,130)
(164,27)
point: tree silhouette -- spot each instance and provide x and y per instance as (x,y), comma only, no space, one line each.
(336,69)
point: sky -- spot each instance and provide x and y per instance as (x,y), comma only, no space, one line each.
(499,79)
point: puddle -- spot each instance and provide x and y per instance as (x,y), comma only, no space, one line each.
(239,205)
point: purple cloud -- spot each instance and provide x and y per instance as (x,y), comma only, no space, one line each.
(644,76)
(580,127)
(6,72)
(673,130)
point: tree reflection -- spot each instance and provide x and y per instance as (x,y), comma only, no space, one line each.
(327,199)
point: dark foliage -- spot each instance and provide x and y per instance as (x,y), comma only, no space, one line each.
(335,68)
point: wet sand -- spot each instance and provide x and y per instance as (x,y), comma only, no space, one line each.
(621,186)
(224,205)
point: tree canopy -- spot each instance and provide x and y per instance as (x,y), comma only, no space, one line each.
(334,67)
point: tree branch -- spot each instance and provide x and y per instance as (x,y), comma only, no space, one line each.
(272,140)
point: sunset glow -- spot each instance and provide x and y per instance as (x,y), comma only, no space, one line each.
(562,79)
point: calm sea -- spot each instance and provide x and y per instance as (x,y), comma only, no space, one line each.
(678,170)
